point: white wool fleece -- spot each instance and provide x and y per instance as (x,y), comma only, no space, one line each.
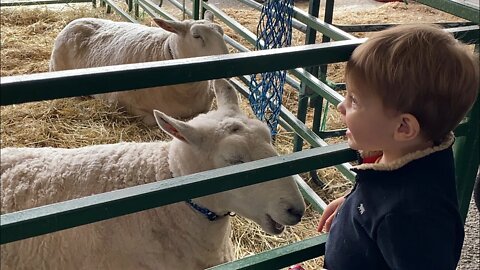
(173,234)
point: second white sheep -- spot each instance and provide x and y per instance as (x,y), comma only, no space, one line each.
(91,42)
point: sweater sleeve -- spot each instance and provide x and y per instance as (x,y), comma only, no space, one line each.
(420,240)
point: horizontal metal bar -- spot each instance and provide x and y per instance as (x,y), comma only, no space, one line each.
(10,3)
(230,22)
(319,87)
(281,257)
(321,26)
(120,11)
(453,7)
(180,6)
(303,19)
(55,217)
(466,34)
(153,10)
(310,195)
(332,133)
(52,85)
(295,23)
(351,28)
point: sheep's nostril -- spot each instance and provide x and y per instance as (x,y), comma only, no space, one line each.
(298,213)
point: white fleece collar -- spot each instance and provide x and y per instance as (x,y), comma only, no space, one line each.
(396,164)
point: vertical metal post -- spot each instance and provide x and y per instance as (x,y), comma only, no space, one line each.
(130,5)
(301,115)
(196,9)
(317,103)
(94,3)
(328,18)
(202,9)
(136,8)
(466,152)
(305,92)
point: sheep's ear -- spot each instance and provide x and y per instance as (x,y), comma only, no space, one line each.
(208,15)
(171,26)
(176,128)
(226,95)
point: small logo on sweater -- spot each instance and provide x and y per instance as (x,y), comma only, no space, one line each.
(361,209)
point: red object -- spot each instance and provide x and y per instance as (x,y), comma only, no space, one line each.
(371,159)
(296,267)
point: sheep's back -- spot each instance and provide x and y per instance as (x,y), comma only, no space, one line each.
(36,176)
(32,177)
(90,42)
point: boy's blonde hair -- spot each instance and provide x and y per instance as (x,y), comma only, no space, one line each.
(422,70)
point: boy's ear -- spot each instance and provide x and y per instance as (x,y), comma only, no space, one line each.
(408,128)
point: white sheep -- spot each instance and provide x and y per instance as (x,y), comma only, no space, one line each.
(171,237)
(91,42)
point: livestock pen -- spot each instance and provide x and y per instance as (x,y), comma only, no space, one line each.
(206,68)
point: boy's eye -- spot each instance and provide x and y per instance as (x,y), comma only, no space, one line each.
(352,98)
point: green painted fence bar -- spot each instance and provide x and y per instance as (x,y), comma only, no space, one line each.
(240,29)
(280,257)
(196,9)
(51,218)
(455,8)
(11,3)
(310,195)
(153,10)
(120,11)
(467,34)
(295,23)
(467,160)
(321,26)
(179,5)
(52,85)
(319,87)
(351,28)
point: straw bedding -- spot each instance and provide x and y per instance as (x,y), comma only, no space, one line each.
(27,36)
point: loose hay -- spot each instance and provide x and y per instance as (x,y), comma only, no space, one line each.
(27,36)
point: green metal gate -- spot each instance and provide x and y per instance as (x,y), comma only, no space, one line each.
(301,61)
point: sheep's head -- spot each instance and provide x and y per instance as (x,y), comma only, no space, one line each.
(194,38)
(225,137)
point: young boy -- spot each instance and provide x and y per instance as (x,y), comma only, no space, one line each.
(408,87)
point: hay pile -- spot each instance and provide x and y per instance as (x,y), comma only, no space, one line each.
(27,36)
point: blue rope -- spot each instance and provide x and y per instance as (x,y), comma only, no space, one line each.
(274,30)
(207,213)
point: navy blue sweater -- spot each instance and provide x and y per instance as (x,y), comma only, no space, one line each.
(405,217)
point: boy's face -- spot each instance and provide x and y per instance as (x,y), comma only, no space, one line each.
(369,127)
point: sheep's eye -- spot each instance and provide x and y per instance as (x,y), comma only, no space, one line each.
(196,36)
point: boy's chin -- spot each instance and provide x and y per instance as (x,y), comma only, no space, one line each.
(352,144)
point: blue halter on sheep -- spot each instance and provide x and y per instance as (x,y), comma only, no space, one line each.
(274,30)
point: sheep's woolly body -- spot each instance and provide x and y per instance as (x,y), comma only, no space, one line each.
(90,42)
(136,241)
